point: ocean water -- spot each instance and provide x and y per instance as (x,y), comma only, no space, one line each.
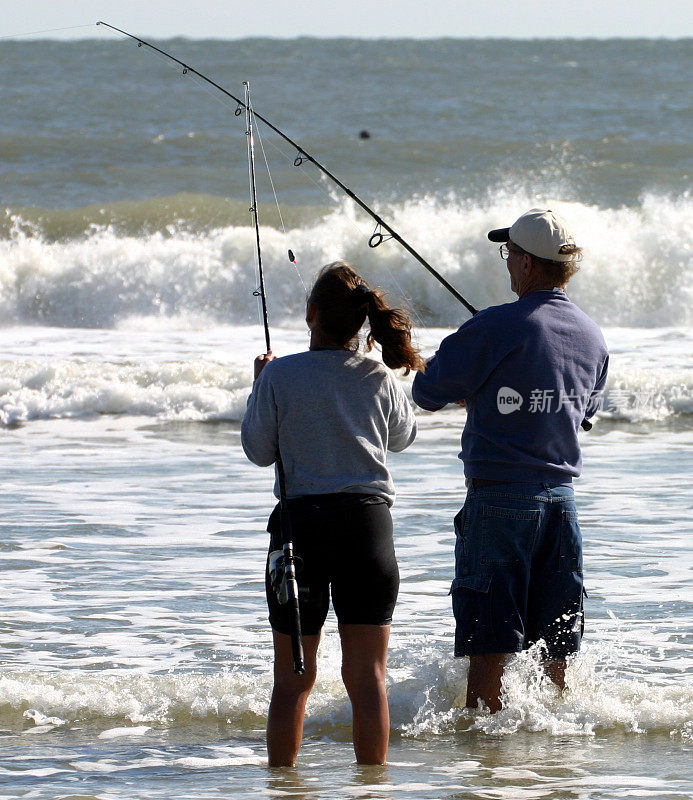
(135,657)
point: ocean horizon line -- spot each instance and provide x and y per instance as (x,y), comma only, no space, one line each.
(37,36)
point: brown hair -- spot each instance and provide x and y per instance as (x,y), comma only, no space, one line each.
(557,273)
(343,300)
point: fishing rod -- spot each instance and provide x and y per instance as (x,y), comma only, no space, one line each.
(282,563)
(254,211)
(377,237)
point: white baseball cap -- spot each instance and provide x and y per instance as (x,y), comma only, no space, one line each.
(540,232)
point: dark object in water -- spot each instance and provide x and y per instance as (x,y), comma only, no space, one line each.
(364,134)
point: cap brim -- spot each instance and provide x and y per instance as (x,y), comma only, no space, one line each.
(499,235)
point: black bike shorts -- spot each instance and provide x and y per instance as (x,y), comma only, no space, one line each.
(345,544)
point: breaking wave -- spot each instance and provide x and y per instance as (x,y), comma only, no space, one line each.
(426,698)
(90,269)
(208,391)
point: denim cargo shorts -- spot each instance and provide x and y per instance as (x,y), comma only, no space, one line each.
(518,570)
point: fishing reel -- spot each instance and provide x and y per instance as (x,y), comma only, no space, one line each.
(281,578)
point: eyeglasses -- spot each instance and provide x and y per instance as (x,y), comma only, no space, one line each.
(505,251)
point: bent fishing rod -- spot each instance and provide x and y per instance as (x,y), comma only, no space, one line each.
(378,237)
(282,563)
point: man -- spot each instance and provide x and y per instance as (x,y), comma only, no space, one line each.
(528,372)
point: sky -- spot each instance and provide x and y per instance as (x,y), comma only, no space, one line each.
(232,19)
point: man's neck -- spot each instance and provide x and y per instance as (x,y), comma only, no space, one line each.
(538,287)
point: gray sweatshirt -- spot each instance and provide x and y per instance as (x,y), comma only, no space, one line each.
(333,415)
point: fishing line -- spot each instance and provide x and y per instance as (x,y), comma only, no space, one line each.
(377,237)
(319,184)
(257,294)
(281,563)
(328,192)
(332,196)
(47,30)
(279,211)
(260,291)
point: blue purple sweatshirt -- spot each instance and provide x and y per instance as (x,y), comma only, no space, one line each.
(529,373)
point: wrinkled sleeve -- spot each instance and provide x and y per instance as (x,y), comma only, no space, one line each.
(595,400)
(401,425)
(259,434)
(457,370)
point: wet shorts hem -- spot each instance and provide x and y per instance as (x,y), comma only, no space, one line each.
(553,654)
(312,630)
(462,652)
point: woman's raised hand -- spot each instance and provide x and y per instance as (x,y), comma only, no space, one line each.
(261,362)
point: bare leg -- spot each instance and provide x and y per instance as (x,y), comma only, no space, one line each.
(484,681)
(289,696)
(364,659)
(556,671)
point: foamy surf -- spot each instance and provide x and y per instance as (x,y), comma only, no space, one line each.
(175,391)
(426,698)
(103,380)
(132,545)
(636,269)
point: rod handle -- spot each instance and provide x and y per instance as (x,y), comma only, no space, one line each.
(297,637)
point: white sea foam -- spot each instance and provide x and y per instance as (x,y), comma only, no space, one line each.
(136,698)
(199,374)
(46,772)
(636,270)
(118,733)
(204,392)
(237,756)
(41,720)
(189,391)
(132,554)
(427,696)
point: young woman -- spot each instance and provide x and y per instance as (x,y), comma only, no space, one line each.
(332,415)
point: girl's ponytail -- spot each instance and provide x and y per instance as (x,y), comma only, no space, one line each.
(343,300)
(391,329)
